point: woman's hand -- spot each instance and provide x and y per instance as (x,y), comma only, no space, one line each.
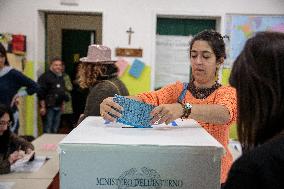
(109,106)
(42,111)
(29,150)
(15,156)
(15,101)
(166,113)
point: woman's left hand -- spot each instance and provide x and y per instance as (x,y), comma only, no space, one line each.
(110,110)
(166,113)
(15,101)
(29,150)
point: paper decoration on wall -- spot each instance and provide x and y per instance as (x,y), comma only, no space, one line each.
(122,65)
(135,113)
(30,129)
(19,44)
(136,68)
(141,84)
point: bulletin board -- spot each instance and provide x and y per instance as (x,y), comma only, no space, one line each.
(137,85)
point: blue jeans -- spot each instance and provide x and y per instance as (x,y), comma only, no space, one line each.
(52,120)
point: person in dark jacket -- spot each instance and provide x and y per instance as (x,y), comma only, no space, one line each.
(99,73)
(11,83)
(52,96)
(12,147)
(258,76)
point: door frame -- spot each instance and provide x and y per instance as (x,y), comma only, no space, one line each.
(220,27)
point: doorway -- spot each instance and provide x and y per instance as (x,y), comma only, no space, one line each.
(172,43)
(75,46)
(68,36)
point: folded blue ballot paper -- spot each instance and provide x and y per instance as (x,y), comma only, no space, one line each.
(135,113)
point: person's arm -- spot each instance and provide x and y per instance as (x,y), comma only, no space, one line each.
(42,107)
(171,92)
(210,113)
(7,160)
(42,93)
(4,165)
(223,111)
(22,143)
(31,86)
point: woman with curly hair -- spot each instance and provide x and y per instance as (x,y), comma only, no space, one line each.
(203,98)
(99,73)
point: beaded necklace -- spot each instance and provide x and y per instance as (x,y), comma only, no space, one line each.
(202,93)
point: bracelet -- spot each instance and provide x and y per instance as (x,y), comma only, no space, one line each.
(186,110)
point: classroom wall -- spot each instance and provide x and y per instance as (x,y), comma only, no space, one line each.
(26,17)
(59,22)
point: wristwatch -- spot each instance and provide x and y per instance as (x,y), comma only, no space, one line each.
(186,110)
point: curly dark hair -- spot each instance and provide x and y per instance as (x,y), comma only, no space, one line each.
(214,39)
(258,76)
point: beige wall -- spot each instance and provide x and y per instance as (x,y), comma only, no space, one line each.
(57,22)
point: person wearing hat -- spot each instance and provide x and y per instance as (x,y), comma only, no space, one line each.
(99,73)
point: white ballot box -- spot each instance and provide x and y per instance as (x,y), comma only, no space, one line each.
(108,156)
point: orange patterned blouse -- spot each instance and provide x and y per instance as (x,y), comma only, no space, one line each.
(224,95)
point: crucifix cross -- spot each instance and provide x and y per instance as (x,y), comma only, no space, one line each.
(130,32)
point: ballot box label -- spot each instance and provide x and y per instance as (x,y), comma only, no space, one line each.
(144,177)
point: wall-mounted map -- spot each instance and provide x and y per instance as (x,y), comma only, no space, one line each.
(241,27)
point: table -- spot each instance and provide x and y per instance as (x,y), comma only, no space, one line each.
(45,145)
(29,183)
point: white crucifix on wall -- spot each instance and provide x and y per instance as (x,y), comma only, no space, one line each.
(130,32)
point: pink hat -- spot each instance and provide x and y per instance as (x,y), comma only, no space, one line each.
(98,54)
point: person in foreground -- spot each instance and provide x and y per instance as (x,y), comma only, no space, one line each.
(12,147)
(258,76)
(99,73)
(202,99)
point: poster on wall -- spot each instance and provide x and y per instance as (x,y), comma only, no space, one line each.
(239,28)
(172,59)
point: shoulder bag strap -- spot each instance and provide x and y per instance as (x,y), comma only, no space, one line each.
(183,92)
(114,86)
